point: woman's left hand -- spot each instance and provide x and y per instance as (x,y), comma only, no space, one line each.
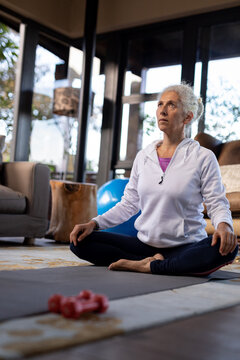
(227,238)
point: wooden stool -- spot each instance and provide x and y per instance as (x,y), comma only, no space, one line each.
(72,203)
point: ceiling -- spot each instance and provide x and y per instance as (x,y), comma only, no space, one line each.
(67,16)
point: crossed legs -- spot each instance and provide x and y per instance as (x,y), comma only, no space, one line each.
(120,252)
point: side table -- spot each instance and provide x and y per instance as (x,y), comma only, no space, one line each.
(72,203)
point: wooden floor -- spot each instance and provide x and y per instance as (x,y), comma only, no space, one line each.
(212,336)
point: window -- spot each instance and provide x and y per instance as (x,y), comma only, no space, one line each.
(9,50)
(222,113)
(222,110)
(48,143)
(54,137)
(154,62)
(95,122)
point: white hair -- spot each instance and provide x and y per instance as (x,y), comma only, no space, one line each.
(190,102)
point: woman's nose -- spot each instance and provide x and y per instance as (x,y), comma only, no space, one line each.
(163,110)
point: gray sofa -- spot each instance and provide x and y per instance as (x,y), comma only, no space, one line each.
(24,200)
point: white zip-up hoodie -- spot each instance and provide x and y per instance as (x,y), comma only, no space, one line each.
(171,203)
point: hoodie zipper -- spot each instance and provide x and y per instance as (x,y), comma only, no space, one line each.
(174,155)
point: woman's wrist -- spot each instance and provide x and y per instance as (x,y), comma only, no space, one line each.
(224,226)
(96,225)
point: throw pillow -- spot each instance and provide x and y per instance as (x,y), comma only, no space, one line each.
(231,177)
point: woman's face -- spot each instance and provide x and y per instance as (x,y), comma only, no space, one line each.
(170,115)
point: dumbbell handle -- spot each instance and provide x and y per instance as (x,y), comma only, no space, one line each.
(55,301)
(74,309)
(87,306)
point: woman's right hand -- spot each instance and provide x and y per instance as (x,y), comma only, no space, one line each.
(80,231)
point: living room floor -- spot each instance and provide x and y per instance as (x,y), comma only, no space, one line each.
(212,335)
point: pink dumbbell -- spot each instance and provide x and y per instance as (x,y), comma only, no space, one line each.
(55,301)
(85,294)
(72,308)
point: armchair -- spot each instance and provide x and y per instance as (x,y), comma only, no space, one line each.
(24,199)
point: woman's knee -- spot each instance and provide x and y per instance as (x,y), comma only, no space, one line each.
(84,244)
(233,254)
(79,249)
(76,250)
(73,248)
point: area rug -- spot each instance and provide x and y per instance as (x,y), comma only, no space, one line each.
(26,292)
(40,334)
(37,257)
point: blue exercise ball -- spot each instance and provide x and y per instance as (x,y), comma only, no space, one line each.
(109,195)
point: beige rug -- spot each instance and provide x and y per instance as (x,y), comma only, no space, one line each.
(31,257)
(46,253)
(21,258)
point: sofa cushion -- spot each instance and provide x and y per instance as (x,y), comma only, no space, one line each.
(231,177)
(209,142)
(11,202)
(231,181)
(234,201)
(230,153)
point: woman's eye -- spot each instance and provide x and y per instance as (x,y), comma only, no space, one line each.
(172,106)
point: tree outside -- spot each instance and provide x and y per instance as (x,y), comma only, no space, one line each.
(223,112)
(222,115)
(9,49)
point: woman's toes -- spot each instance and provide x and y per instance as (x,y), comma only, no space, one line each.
(158,256)
(117,265)
(112,266)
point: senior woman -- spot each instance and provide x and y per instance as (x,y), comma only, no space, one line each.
(169,182)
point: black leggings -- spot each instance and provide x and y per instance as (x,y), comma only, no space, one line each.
(200,258)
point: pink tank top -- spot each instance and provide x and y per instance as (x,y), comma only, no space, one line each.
(164,163)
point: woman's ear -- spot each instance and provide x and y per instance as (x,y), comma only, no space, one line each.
(188,118)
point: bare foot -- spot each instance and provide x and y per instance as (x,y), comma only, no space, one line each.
(158,256)
(132,265)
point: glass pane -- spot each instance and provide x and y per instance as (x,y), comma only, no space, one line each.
(147,130)
(47,143)
(223,86)
(9,50)
(121,174)
(223,99)
(160,50)
(139,126)
(124,132)
(131,81)
(94,128)
(154,62)
(158,78)
(150,130)
(93,140)
(54,135)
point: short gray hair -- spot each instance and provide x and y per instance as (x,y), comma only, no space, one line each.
(190,102)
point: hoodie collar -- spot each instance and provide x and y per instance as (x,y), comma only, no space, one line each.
(150,150)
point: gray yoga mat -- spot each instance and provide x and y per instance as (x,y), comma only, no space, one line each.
(26,292)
